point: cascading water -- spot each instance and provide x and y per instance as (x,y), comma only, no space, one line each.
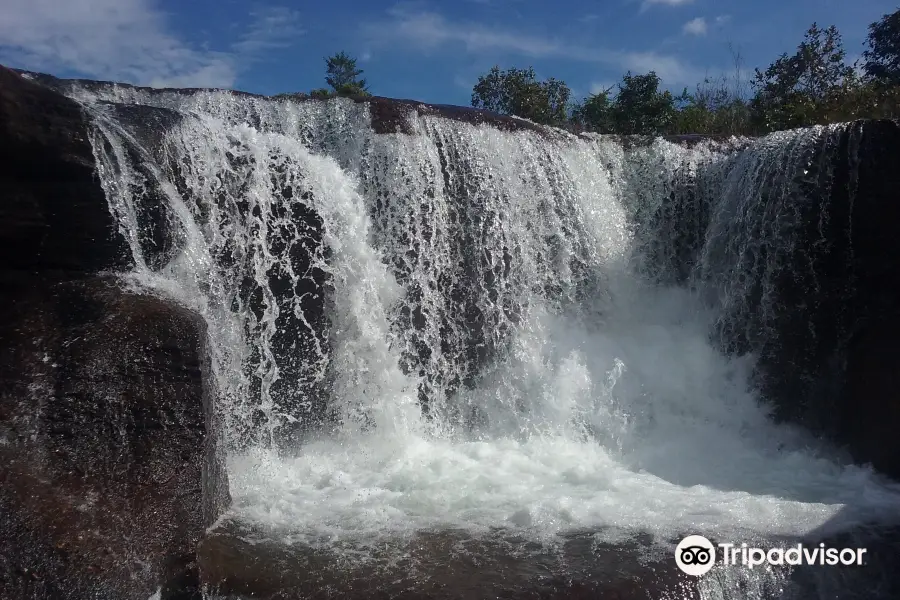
(464,329)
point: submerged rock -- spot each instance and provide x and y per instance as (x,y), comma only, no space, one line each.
(437,565)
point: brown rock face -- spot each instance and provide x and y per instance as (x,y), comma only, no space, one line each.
(102,423)
(439,565)
(53,214)
(107,474)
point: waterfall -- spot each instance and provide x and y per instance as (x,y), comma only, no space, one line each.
(461,328)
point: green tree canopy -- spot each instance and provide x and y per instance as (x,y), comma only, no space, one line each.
(795,90)
(882,58)
(813,85)
(518,92)
(342,75)
(595,112)
(640,107)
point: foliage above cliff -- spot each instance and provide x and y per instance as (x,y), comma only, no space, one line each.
(883,54)
(814,85)
(518,92)
(796,90)
(343,78)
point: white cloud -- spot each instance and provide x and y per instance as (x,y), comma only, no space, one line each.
(129,41)
(695,26)
(722,19)
(669,68)
(429,32)
(648,3)
(271,28)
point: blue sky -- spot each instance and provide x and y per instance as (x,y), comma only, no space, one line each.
(425,50)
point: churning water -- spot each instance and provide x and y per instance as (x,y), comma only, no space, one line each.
(464,329)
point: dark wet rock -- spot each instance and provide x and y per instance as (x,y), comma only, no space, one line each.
(672,236)
(48,186)
(389,115)
(868,412)
(832,365)
(237,564)
(109,468)
(159,231)
(107,476)
(821,310)
(300,340)
(874,579)
(300,336)
(670,239)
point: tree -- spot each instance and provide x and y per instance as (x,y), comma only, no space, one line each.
(796,90)
(718,105)
(595,113)
(343,75)
(882,58)
(640,107)
(518,92)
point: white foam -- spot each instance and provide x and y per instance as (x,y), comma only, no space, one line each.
(638,426)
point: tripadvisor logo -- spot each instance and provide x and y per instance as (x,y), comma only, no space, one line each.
(696,555)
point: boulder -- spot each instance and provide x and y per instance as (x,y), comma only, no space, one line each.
(109,466)
(107,476)
(53,213)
